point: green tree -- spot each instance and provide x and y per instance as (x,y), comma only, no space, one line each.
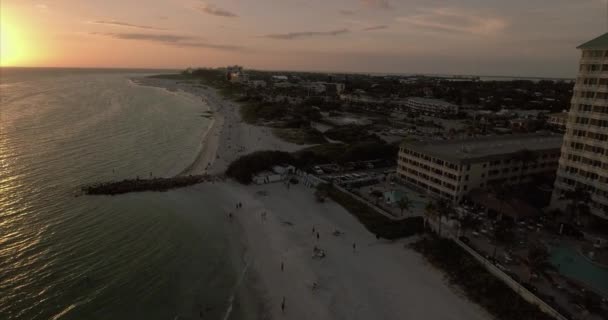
(467,222)
(404,204)
(437,210)
(503,234)
(538,260)
(579,199)
(429,211)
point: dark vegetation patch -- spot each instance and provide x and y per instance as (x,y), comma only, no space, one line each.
(478,284)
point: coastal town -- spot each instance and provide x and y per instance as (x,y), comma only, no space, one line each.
(304,160)
(503,179)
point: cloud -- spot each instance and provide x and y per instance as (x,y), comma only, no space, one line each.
(215,11)
(305,34)
(372,28)
(347,12)
(454,21)
(125,24)
(41,6)
(378,4)
(170,39)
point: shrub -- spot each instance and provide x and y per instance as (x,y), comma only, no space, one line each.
(351,134)
(343,153)
(300,135)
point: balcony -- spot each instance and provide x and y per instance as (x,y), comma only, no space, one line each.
(594,88)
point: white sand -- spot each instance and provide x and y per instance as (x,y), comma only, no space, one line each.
(228,137)
(381,280)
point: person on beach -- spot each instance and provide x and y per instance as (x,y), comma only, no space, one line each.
(230,215)
(354,247)
(317,236)
(283,305)
(313,229)
(282,266)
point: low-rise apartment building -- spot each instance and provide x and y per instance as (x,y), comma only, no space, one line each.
(451,169)
(558,120)
(430,106)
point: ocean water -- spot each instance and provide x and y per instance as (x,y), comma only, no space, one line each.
(135,256)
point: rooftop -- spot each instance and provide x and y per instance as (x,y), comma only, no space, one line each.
(477,149)
(600,42)
(558,115)
(430,101)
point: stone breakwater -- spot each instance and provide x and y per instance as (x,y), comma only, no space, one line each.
(140,185)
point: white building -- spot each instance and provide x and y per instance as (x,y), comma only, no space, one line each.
(431,106)
(257,83)
(584,158)
(558,120)
(235,74)
(315,87)
(450,169)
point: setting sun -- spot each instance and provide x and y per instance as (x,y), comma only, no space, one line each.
(12,44)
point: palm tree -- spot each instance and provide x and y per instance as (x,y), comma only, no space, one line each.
(442,209)
(503,234)
(429,211)
(524,156)
(404,204)
(538,260)
(467,222)
(579,199)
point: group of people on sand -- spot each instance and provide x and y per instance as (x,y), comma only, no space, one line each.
(238,206)
(317,251)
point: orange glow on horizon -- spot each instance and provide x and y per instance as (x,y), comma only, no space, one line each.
(14,45)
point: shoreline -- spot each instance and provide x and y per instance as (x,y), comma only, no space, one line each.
(348,283)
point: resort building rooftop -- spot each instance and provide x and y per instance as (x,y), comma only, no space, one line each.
(476,149)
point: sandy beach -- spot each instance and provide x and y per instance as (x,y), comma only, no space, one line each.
(360,277)
(237,137)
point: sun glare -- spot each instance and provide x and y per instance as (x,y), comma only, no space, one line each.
(12,44)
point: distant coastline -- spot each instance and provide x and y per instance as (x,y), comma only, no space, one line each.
(482,77)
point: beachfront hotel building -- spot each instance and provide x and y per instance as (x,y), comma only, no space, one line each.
(584,158)
(430,106)
(451,169)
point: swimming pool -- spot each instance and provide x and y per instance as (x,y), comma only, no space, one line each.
(572,264)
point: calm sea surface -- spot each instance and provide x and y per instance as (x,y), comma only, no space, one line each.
(136,256)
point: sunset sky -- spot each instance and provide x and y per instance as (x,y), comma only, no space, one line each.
(487,37)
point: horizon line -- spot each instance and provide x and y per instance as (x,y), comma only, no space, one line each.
(303,71)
